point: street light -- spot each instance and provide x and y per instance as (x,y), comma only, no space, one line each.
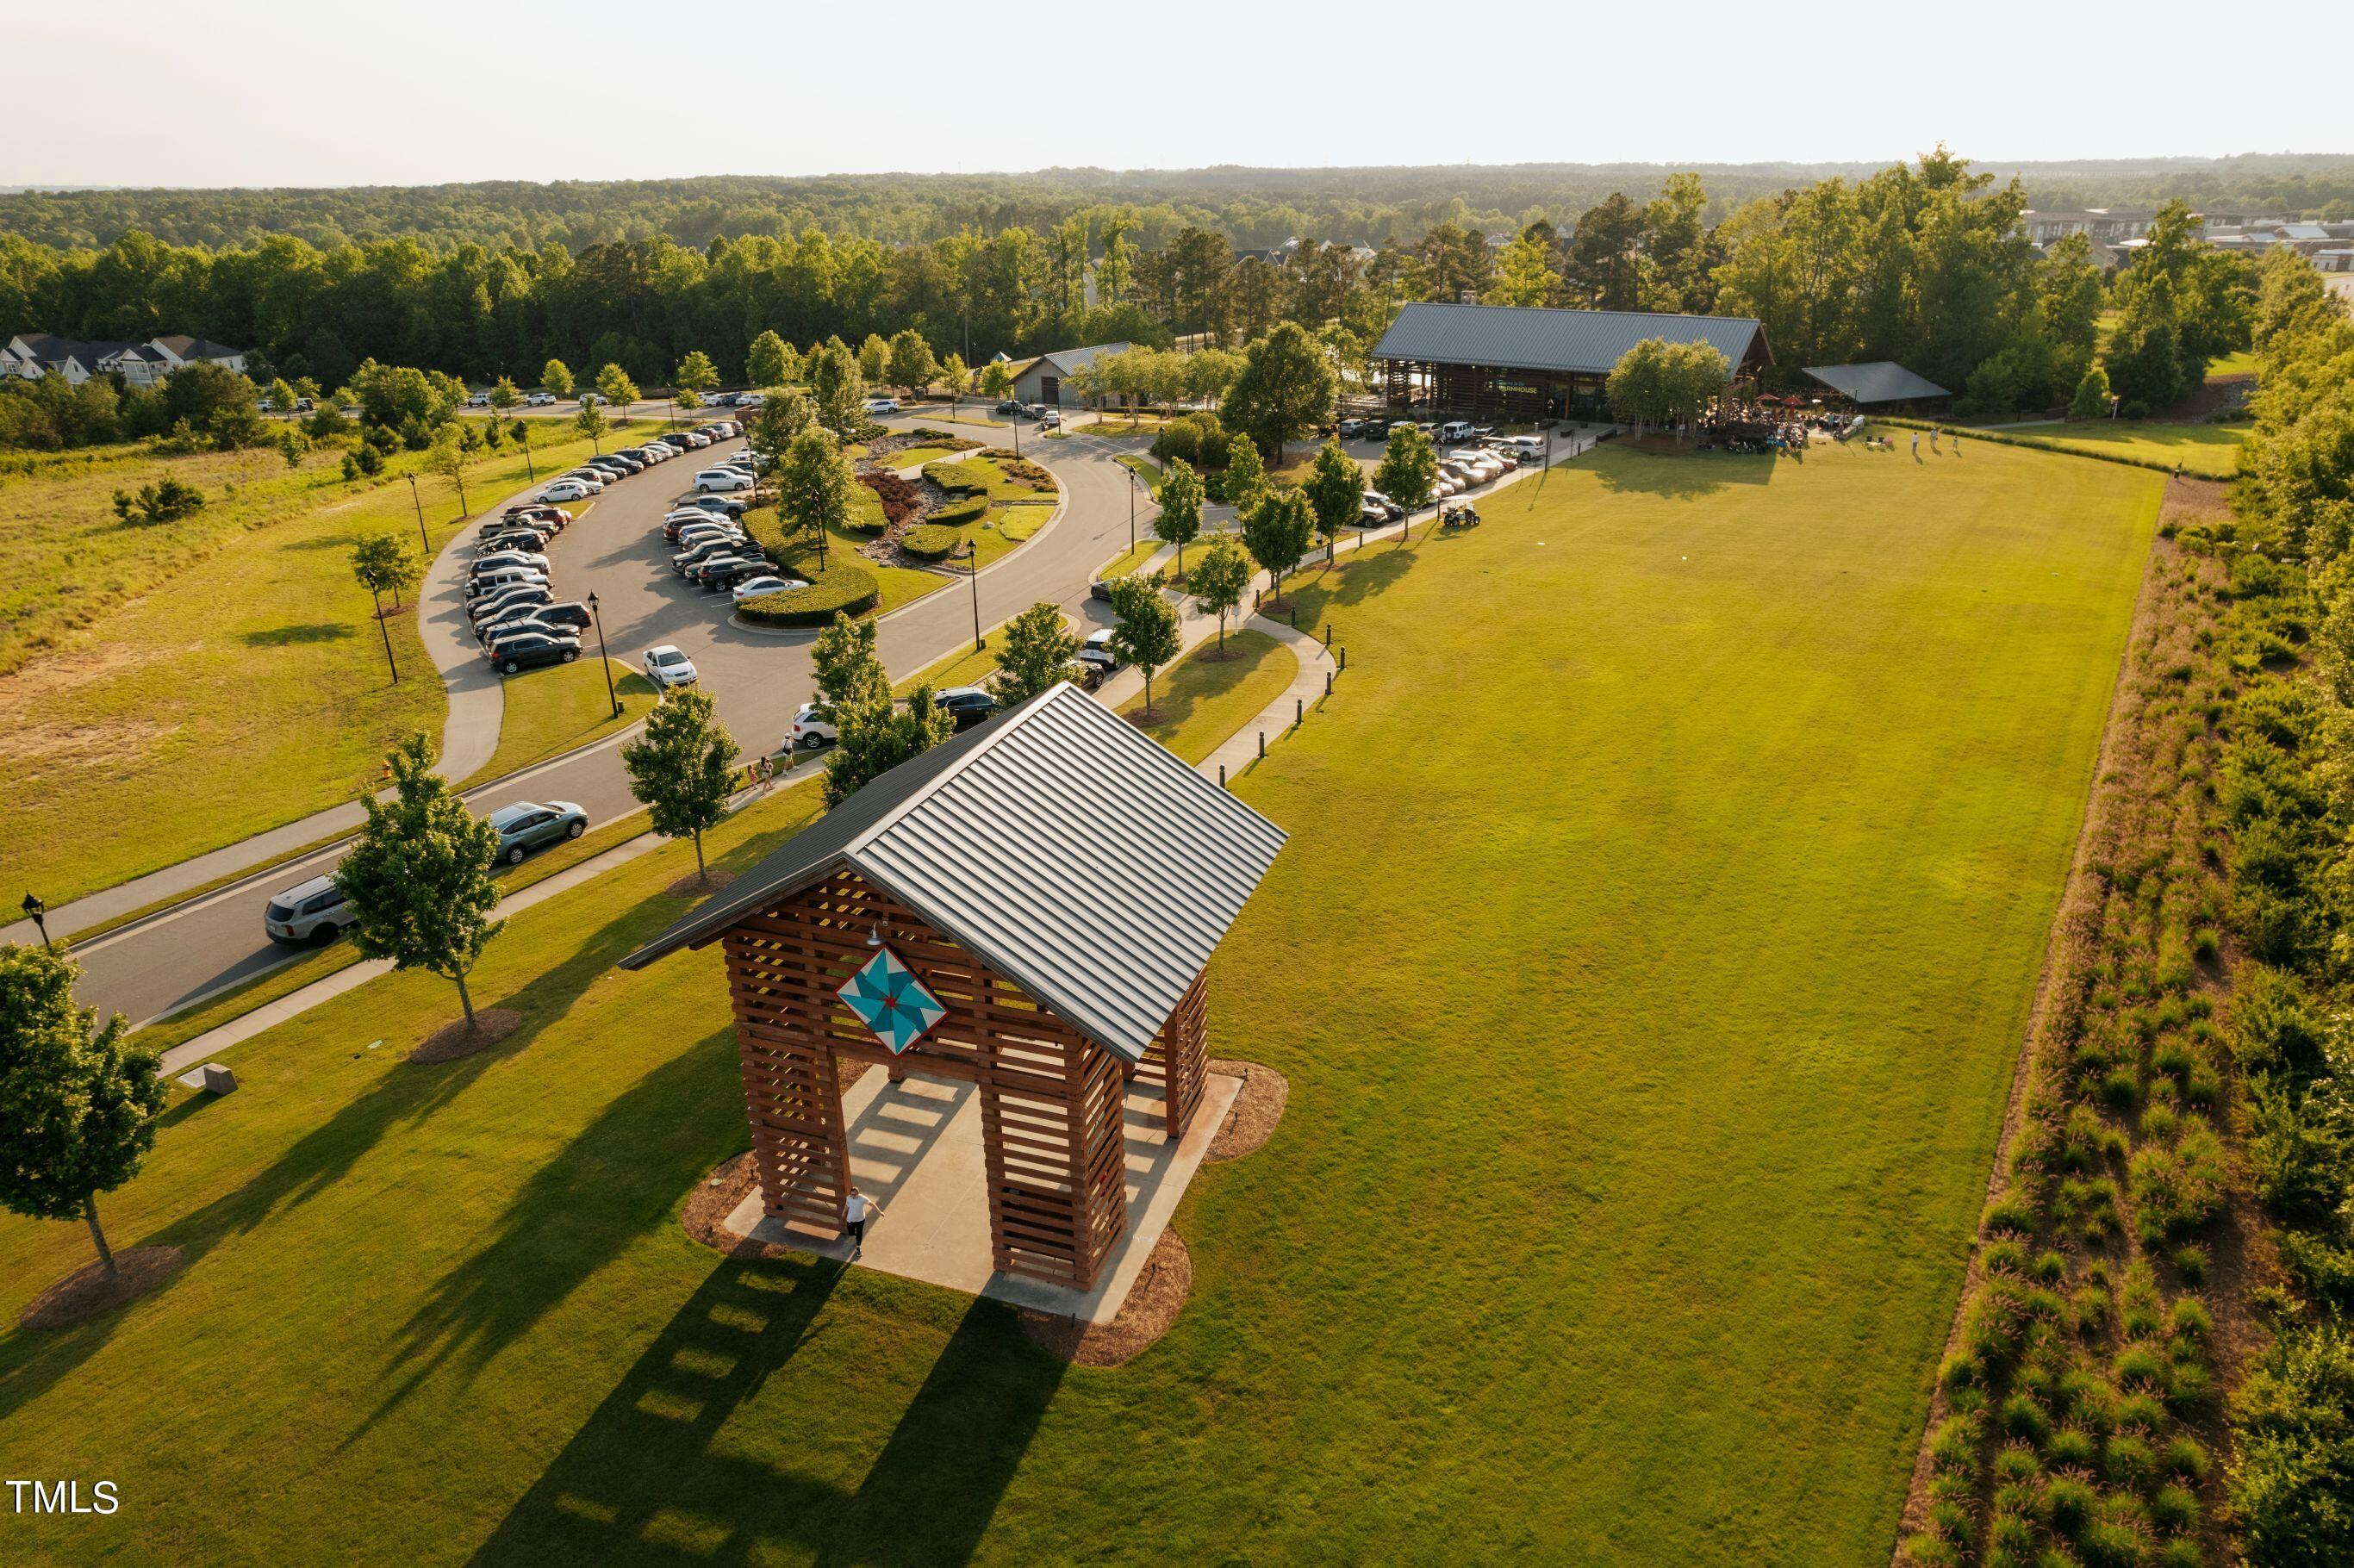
(419,502)
(33,910)
(972,557)
(601,659)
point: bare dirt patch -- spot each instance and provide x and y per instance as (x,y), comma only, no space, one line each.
(1257,1106)
(716,1196)
(693,886)
(86,1291)
(454,1040)
(1150,1307)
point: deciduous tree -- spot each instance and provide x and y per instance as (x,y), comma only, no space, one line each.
(1335,487)
(418,876)
(1218,580)
(447,456)
(385,564)
(1246,477)
(682,769)
(1178,522)
(1286,388)
(1037,654)
(846,668)
(1276,532)
(765,362)
(77,1102)
(912,365)
(589,423)
(1409,469)
(614,386)
(876,735)
(556,377)
(813,480)
(1144,630)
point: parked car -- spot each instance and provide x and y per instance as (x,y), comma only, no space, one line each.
(704,524)
(525,826)
(565,489)
(967,705)
(538,399)
(621,462)
(482,588)
(882,406)
(1371,513)
(1390,509)
(1100,590)
(692,438)
(720,570)
(516,623)
(1353,427)
(721,480)
(312,911)
(569,614)
(530,650)
(1097,650)
(533,509)
(493,607)
(479,400)
(1050,419)
(693,555)
(1086,674)
(814,726)
(668,668)
(690,534)
(718,505)
(509,538)
(504,558)
(763,582)
(1455,431)
(1009,407)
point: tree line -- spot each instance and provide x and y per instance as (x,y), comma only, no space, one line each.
(1258,207)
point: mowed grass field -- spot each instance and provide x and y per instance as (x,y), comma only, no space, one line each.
(2211,452)
(182,687)
(1667,885)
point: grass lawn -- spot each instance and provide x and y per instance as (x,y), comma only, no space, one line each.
(980,474)
(1128,560)
(1668,882)
(900,585)
(210,678)
(564,705)
(917,456)
(2239,362)
(1203,698)
(2211,451)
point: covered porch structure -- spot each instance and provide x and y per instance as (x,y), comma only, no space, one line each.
(1014,928)
(1510,365)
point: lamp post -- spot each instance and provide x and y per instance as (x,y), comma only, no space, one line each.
(33,910)
(973,564)
(600,620)
(423,540)
(1131,510)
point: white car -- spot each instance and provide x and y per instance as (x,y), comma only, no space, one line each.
(812,725)
(595,478)
(721,480)
(502,559)
(564,490)
(669,669)
(881,405)
(753,587)
(539,399)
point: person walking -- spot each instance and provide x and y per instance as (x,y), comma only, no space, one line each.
(1916,444)
(858,1210)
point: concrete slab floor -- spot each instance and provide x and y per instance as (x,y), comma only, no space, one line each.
(915,1149)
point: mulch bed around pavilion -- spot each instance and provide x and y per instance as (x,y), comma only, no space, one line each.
(1259,1106)
(715,1198)
(86,1292)
(453,1040)
(1159,1296)
(693,886)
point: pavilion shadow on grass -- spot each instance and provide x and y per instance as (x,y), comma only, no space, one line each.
(1030,907)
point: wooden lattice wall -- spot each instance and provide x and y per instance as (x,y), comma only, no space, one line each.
(1051,1100)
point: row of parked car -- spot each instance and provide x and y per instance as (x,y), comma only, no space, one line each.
(813,726)
(317,912)
(591,477)
(516,616)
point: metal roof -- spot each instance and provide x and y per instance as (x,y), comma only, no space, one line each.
(1579,343)
(1880,381)
(1066,360)
(1073,855)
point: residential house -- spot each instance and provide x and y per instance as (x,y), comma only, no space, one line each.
(31,356)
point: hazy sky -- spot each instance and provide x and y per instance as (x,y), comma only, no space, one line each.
(257,92)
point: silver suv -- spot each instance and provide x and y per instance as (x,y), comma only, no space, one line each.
(312,911)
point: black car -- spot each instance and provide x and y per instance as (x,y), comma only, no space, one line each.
(1009,407)
(530,650)
(685,561)
(610,463)
(498,606)
(571,614)
(967,705)
(506,537)
(518,622)
(722,571)
(1101,590)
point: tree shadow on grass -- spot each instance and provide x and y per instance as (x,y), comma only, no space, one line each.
(1681,476)
(647,1480)
(288,636)
(619,1179)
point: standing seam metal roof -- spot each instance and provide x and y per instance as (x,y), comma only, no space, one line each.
(1074,855)
(1876,381)
(1577,342)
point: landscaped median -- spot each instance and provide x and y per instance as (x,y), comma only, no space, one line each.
(557,709)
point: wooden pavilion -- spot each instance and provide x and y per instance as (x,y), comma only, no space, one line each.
(1028,907)
(1521,364)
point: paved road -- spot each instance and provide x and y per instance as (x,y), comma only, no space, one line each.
(215,942)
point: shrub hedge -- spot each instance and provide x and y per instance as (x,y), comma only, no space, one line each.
(852,590)
(961,477)
(901,500)
(957,513)
(932,542)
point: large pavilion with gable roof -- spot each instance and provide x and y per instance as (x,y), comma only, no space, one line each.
(1027,909)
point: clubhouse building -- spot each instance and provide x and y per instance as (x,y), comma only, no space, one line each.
(1508,364)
